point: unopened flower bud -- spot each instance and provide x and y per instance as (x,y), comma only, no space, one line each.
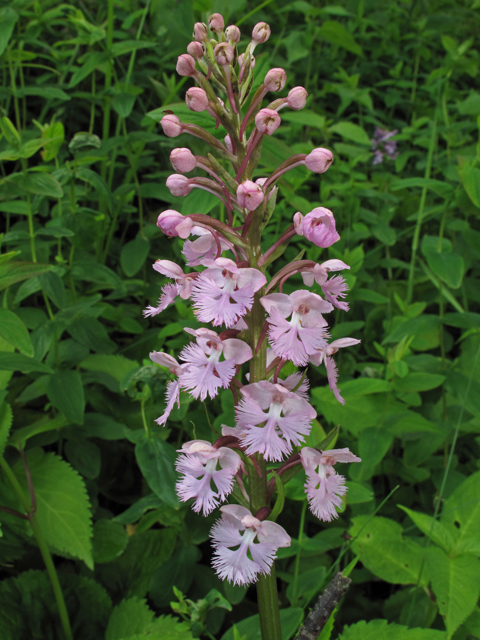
(216,22)
(232,33)
(275,80)
(228,143)
(200,32)
(318,226)
(297,97)
(172,223)
(319,160)
(183,160)
(179,185)
(261,32)
(267,121)
(186,65)
(249,195)
(240,61)
(223,53)
(171,125)
(261,182)
(195,49)
(196,99)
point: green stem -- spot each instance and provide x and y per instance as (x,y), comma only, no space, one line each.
(297,558)
(418,226)
(108,82)
(42,545)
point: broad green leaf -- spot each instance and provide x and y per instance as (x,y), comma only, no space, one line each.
(50,93)
(93,61)
(84,456)
(357,493)
(156,459)
(65,392)
(9,131)
(439,533)
(335,33)
(6,419)
(467,320)
(8,19)
(309,583)
(136,511)
(42,184)
(372,448)
(134,254)
(418,381)
(385,552)
(20,436)
(15,332)
(130,617)
(471,181)
(110,540)
(19,362)
(351,131)
(449,267)
(54,288)
(83,140)
(290,620)
(382,630)
(462,510)
(92,334)
(365,386)
(98,273)
(198,201)
(443,189)
(456,585)
(63,507)
(15,206)
(413,327)
(117,366)
(14,272)
(56,133)
(305,118)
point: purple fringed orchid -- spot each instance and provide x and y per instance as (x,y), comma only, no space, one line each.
(182,286)
(204,249)
(172,394)
(285,416)
(303,335)
(205,372)
(325,487)
(201,464)
(245,546)
(325,355)
(223,293)
(333,288)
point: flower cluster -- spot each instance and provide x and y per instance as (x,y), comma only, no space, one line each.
(258,323)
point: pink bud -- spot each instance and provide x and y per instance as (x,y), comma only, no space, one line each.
(319,160)
(183,160)
(200,31)
(261,182)
(172,223)
(223,53)
(195,49)
(228,143)
(232,33)
(240,61)
(267,121)
(297,97)
(171,125)
(196,99)
(318,226)
(179,185)
(261,32)
(249,195)
(186,65)
(275,80)
(216,22)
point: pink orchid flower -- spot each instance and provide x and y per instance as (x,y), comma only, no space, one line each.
(182,286)
(223,293)
(324,355)
(304,334)
(318,226)
(334,288)
(172,394)
(325,487)
(244,545)
(204,249)
(201,465)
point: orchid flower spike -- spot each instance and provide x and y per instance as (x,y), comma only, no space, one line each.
(325,487)
(245,546)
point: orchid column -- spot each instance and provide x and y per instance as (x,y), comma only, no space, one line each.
(258,323)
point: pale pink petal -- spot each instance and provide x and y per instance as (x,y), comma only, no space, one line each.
(237,349)
(332,375)
(168,268)
(253,277)
(169,293)
(279,301)
(172,396)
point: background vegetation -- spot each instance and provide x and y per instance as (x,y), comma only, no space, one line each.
(83,166)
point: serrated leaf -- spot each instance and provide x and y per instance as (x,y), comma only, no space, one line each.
(63,507)
(6,419)
(351,131)
(133,255)
(156,459)
(130,617)
(15,332)
(65,392)
(440,534)
(456,585)
(385,552)
(382,630)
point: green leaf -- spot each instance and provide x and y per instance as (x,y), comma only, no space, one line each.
(382,630)
(6,419)
(442,535)
(471,181)
(127,46)
(385,552)
(372,448)
(456,585)
(418,381)
(290,620)
(41,184)
(50,93)
(82,140)
(335,33)
(130,617)
(467,320)
(63,507)
(92,334)
(20,436)
(65,392)
(156,459)
(117,366)
(309,583)
(8,20)
(85,457)
(19,362)
(93,61)
(98,273)
(98,183)
(54,288)
(306,118)
(413,327)
(10,132)
(17,271)
(443,189)
(134,254)
(351,131)
(15,332)
(462,510)
(15,206)
(358,494)
(110,540)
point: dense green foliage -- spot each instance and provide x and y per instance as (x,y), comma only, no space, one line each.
(83,167)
